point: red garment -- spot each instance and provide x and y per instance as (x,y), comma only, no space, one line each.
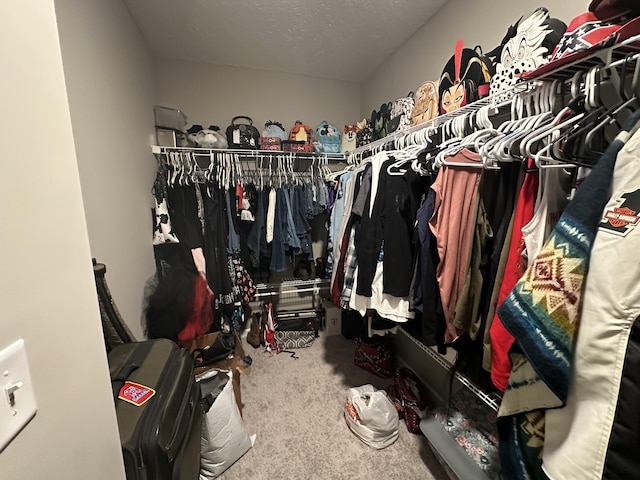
(201,314)
(239,196)
(338,281)
(501,339)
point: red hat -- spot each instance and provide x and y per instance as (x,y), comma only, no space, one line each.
(587,33)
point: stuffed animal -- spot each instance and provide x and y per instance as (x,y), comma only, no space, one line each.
(192,133)
(208,138)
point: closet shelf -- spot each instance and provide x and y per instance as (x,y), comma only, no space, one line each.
(291,286)
(159,150)
(611,56)
(490,102)
(492,400)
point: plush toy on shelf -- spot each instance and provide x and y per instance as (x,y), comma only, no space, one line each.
(211,138)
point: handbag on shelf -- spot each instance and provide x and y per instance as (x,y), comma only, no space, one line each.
(243,135)
(328,138)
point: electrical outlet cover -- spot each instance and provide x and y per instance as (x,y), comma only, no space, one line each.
(17,399)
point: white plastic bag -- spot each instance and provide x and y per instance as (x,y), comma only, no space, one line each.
(224,437)
(371,416)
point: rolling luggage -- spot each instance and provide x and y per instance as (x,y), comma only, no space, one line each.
(158,409)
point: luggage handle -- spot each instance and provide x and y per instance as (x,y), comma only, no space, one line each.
(133,363)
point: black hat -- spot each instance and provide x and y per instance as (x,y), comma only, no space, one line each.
(195,129)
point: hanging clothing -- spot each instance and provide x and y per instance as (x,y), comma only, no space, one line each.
(387,306)
(234,239)
(184,215)
(553,197)
(542,312)
(501,339)
(215,246)
(433,322)
(271,215)
(387,231)
(452,224)
(370,234)
(596,434)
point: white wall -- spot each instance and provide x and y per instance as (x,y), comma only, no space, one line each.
(425,54)
(47,290)
(214,94)
(111,88)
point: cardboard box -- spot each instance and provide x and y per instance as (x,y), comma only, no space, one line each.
(333,317)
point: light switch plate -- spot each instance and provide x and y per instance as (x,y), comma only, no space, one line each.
(17,399)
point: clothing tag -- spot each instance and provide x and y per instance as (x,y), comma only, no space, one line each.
(135,394)
(236,136)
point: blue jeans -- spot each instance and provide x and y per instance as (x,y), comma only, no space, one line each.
(278,254)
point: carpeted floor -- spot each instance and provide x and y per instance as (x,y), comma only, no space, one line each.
(295,408)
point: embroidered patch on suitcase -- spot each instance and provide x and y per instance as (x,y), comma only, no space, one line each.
(135,393)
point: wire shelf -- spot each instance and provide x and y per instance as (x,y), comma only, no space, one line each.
(492,400)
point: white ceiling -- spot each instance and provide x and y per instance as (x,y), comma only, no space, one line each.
(337,39)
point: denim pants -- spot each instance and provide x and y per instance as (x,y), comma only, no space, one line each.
(291,238)
(278,254)
(303,229)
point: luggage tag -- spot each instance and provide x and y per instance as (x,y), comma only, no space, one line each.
(135,394)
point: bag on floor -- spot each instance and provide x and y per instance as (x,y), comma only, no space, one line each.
(371,416)
(375,356)
(293,339)
(410,397)
(224,436)
(217,346)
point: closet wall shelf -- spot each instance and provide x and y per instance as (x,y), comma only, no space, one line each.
(490,399)
(611,56)
(159,150)
(287,286)
(490,102)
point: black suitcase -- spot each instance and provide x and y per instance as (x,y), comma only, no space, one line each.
(158,409)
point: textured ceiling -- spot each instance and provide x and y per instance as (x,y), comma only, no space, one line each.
(338,39)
